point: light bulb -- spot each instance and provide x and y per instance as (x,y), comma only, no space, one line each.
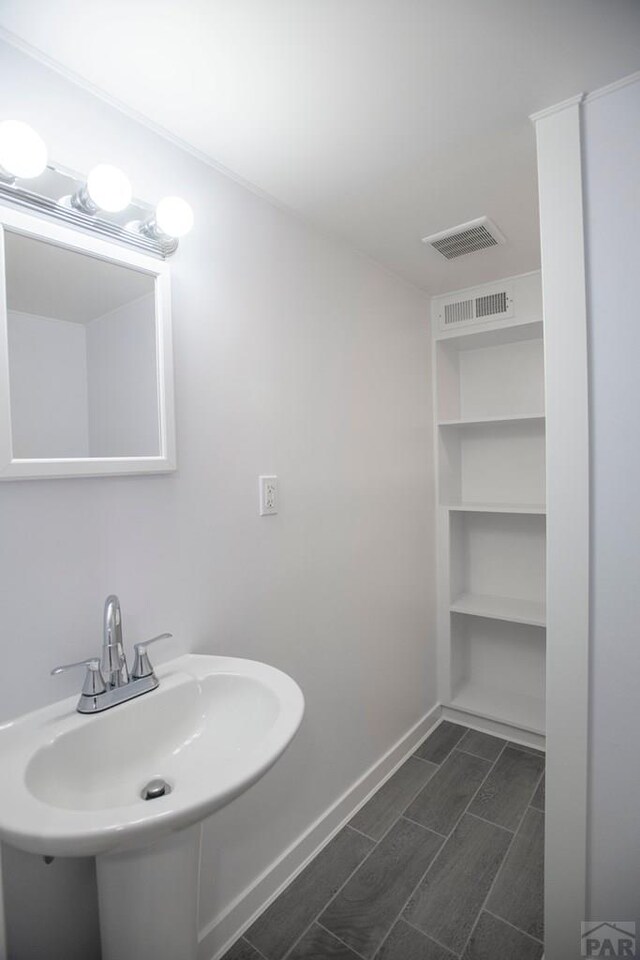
(174,216)
(23,152)
(109,188)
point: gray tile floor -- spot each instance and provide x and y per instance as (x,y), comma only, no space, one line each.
(445,861)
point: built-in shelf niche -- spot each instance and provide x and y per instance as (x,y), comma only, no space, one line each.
(490,448)
(491,374)
(497,462)
(498,670)
(498,566)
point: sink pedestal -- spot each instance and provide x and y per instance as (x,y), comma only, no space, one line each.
(148,899)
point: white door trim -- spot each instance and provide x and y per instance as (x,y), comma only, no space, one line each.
(558,134)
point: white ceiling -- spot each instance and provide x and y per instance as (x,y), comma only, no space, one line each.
(379,120)
(71,286)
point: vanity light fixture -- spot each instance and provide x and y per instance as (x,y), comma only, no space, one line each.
(92,203)
(23,152)
(107,188)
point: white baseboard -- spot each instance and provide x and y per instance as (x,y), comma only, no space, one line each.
(497,728)
(218,935)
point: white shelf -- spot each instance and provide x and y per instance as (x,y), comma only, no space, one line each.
(475,337)
(534,508)
(530,612)
(522,711)
(479,421)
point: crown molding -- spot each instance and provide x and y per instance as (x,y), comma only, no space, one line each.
(581,98)
(612,87)
(557,108)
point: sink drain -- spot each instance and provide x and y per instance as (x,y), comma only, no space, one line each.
(155,788)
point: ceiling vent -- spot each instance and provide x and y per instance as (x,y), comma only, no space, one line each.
(456,312)
(466,238)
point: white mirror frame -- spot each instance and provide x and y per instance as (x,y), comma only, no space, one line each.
(12,468)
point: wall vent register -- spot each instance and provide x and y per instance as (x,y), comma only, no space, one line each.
(492,304)
(496,305)
(458,312)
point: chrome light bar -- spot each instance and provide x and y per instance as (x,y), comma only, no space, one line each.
(57,185)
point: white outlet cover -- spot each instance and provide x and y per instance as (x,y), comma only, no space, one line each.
(268,490)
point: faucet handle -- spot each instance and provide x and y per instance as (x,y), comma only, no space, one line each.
(94,683)
(142,665)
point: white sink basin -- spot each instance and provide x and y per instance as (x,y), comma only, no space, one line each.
(71,784)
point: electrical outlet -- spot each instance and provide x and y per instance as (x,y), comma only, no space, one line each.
(268,495)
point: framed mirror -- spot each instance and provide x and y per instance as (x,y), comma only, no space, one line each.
(86,374)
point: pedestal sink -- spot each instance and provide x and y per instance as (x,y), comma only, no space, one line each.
(73,785)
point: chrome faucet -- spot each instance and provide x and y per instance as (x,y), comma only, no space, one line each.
(114,660)
(107,681)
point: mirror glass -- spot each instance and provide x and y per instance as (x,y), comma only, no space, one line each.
(83,370)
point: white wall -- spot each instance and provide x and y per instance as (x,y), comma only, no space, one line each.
(612,198)
(292,356)
(122,374)
(48,377)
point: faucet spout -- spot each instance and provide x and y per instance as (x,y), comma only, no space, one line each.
(114,661)
(108,682)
